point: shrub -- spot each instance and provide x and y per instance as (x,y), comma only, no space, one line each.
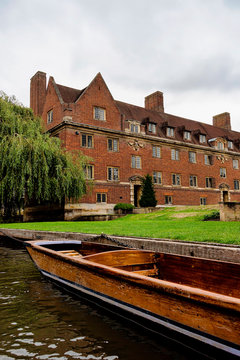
(123,206)
(214,215)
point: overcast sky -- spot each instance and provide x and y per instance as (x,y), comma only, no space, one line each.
(188,49)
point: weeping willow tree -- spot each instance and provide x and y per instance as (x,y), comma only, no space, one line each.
(33,166)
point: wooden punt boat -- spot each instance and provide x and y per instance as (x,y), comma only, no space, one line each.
(190,300)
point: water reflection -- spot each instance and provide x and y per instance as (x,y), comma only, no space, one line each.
(38,321)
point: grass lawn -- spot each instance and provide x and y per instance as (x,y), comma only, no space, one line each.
(172,223)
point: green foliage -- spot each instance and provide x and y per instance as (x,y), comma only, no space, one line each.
(148,198)
(33,166)
(123,206)
(214,215)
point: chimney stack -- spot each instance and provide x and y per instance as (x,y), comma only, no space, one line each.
(154,102)
(38,92)
(222,121)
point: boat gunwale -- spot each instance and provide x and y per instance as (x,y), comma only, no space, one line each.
(172,288)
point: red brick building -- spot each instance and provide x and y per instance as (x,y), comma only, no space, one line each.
(192,163)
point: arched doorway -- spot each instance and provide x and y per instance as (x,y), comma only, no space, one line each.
(225,196)
(135,189)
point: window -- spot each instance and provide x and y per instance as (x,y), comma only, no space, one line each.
(187,135)
(168,200)
(50,116)
(136,162)
(209,182)
(170,131)
(156,151)
(87,141)
(99,113)
(220,145)
(135,128)
(113,145)
(152,128)
(101,198)
(174,154)
(230,145)
(176,179)
(88,170)
(235,164)
(193,180)
(192,157)
(113,174)
(208,160)
(202,138)
(157,177)
(203,201)
(236,184)
(223,172)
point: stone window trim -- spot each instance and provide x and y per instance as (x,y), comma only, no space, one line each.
(89,172)
(223,172)
(134,126)
(168,200)
(202,138)
(152,128)
(156,151)
(175,154)
(50,116)
(193,181)
(230,144)
(203,201)
(87,141)
(112,173)
(187,135)
(235,164)
(192,156)
(101,198)
(208,159)
(176,179)
(113,144)
(136,162)
(236,184)
(99,113)
(169,131)
(209,182)
(157,177)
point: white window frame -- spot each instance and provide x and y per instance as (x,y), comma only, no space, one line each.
(113,145)
(193,181)
(209,182)
(207,159)
(89,172)
(152,128)
(112,173)
(175,154)
(88,142)
(220,145)
(99,113)
(192,156)
(202,138)
(235,164)
(230,144)
(102,197)
(136,162)
(170,131)
(156,151)
(176,179)
(236,184)
(50,116)
(223,172)
(157,177)
(134,127)
(187,135)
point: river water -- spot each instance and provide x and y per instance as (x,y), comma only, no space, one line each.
(39,321)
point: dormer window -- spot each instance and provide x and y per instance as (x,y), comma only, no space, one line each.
(220,145)
(99,113)
(134,127)
(170,131)
(202,138)
(187,135)
(230,145)
(152,128)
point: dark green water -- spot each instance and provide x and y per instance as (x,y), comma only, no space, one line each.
(39,321)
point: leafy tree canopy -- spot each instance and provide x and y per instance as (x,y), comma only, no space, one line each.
(148,198)
(32,164)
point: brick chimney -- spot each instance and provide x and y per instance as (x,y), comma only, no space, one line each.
(38,92)
(154,102)
(222,120)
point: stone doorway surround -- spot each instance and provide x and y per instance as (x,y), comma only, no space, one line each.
(225,194)
(135,189)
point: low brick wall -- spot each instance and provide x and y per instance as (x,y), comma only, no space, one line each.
(214,251)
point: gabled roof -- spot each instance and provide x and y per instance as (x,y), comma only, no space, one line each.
(163,119)
(69,95)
